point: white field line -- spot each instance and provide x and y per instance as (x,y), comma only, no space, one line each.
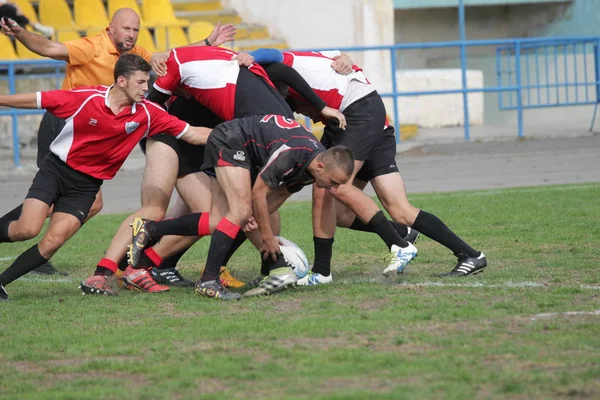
(507,284)
(7,258)
(564,314)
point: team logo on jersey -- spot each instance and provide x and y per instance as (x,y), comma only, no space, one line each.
(131,126)
(239,156)
(93,122)
(314,142)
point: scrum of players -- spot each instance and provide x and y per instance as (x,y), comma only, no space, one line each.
(243,154)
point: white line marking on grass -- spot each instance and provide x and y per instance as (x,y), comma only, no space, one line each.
(564,314)
(7,258)
(48,279)
(507,284)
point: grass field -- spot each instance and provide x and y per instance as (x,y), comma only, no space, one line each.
(526,328)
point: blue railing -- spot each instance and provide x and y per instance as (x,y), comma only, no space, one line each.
(11,68)
(524,78)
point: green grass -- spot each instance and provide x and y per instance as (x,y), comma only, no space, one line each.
(421,337)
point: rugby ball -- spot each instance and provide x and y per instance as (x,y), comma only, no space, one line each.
(294,256)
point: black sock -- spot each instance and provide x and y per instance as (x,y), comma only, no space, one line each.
(323,252)
(433,227)
(220,244)
(171,261)
(238,241)
(186,225)
(123,264)
(382,227)
(358,225)
(26,262)
(4,238)
(12,215)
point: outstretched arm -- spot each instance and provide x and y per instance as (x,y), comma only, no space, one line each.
(34,42)
(24,100)
(196,135)
(260,209)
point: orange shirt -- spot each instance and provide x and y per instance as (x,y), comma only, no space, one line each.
(92,61)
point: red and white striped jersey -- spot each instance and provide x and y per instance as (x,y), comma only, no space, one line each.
(337,90)
(94,140)
(207,73)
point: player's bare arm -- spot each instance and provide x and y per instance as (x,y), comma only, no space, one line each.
(34,42)
(260,209)
(196,135)
(23,100)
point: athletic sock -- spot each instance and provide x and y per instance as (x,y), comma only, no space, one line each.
(26,262)
(195,224)
(382,227)
(106,267)
(323,253)
(220,245)
(358,225)
(433,227)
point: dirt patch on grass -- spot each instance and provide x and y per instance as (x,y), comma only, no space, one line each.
(378,343)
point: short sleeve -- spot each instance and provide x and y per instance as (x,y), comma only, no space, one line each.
(62,103)
(162,122)
(280,165)
(168,83)
(142,52)
(81,51)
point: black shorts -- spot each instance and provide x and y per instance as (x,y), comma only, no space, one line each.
(254,96)
(195,114)
(50,127)
(72,192)
(366,137)
(226,148)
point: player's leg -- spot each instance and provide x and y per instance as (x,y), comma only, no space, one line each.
(390,190)
(232,186)
(74,193)
(50,127)
(159,178)
(381,161)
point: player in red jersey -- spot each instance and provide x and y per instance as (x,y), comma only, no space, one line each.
(103,125)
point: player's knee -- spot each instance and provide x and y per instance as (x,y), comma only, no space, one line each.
(24,231)
(153,213)
(241,211)
(51,243)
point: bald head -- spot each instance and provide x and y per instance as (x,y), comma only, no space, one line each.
(124,28)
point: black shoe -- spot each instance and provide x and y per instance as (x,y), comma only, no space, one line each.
(170,277)
(214,289)
(412,235)
(468,266)
(48,269)
(3,294)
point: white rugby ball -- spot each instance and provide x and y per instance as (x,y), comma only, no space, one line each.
(294,256)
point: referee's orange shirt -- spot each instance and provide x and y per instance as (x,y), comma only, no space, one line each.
(92,61)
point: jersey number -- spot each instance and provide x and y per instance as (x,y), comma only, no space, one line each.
(281,121)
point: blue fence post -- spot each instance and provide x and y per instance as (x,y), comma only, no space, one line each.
(15,120)
(597,77)
(519,88)
(395,95)
(463,64)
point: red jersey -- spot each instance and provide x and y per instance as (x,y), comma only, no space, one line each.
(315,68)
(94,140)
(207,73)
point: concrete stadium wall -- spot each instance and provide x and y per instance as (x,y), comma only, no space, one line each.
(578,18)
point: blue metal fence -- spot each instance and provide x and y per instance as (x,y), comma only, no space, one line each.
(531,73)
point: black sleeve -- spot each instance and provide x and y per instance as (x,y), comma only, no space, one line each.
(158,97)
(288,75)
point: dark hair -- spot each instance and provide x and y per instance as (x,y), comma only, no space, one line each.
(127,64)
(339,157)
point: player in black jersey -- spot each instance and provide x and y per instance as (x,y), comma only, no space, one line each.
(259,162)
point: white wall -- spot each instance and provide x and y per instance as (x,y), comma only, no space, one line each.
(314,24)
